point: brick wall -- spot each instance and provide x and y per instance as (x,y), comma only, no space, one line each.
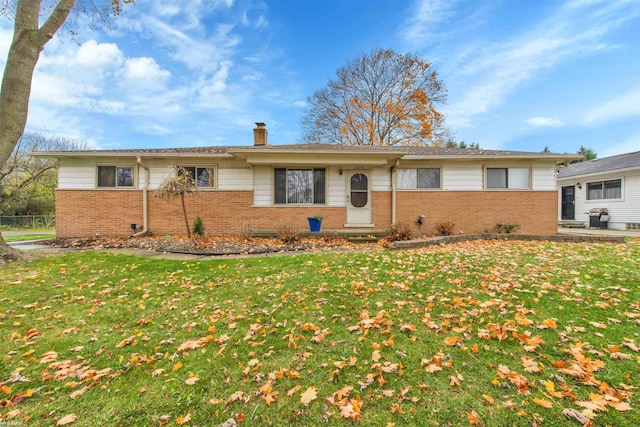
(477,211)
(85,213)
(107,212)
(81,213)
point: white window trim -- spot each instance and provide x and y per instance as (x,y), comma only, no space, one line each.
(499,166)
(585,186)
(418,188)
(134,185)
(299,205)
(202,166)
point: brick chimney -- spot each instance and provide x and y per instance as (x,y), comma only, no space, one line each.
(260,134)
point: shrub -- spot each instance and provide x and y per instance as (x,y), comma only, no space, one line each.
(246,233)
(445,228)
(507,228)
(198,227)
(399,231)
(287,233)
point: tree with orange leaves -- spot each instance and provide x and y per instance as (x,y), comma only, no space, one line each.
(35,23)
(379,98)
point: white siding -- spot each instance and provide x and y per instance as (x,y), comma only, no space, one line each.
(622,211)
(156,175)
(81,175)
(544,177)
(462,177)
(337,184)
(262,183)
(235,179)
(77,177)
(381,179)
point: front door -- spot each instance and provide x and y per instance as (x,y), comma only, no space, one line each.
(358,198)
(569,203)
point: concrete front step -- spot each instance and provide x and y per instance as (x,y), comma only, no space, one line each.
(572,224)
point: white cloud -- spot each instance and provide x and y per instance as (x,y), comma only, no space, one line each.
(92,54)
(425,16)
(144,74)
(544,122)
(621,107)
(487,74)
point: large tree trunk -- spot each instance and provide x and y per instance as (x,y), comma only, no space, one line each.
(28,41)
(7,253)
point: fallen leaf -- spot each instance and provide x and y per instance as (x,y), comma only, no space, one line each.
(192,380)
(293,390)
(542,402)
(473,418)
(125,342)
(183,419)
(309,395)
(67,419)
(49,357)
(578,416)
(238,395)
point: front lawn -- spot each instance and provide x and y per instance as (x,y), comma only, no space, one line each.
(28,237)
(487,333)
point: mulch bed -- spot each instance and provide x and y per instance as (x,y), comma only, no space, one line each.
(215,245)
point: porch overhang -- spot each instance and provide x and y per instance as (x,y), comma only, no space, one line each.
(289,157)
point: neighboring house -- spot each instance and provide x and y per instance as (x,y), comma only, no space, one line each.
(364,188)
(611,182)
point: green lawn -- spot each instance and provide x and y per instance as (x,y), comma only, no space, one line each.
(29,237)
(478,333)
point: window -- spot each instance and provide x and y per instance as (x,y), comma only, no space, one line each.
(512,178)
(204,177)
(599,190)
(115,176)
(418,178)
(299,186)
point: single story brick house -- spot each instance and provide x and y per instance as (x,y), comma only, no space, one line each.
(257,187)
(611,183)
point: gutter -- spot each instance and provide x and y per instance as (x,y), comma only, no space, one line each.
(393,192)
(145,199)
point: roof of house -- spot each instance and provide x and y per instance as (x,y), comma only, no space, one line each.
(605,164)
(397,151)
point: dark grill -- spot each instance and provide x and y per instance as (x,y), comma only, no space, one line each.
(598,218)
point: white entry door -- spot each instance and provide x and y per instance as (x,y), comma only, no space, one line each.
(358,198)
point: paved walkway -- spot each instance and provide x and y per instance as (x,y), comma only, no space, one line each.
(597,232)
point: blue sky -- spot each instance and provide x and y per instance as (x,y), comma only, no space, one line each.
(520,74)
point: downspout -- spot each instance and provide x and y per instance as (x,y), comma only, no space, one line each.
(145,193)
(393,192)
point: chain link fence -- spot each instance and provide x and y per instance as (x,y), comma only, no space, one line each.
(28,221)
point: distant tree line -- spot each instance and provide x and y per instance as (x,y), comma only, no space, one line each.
(586,153)
(27,183)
